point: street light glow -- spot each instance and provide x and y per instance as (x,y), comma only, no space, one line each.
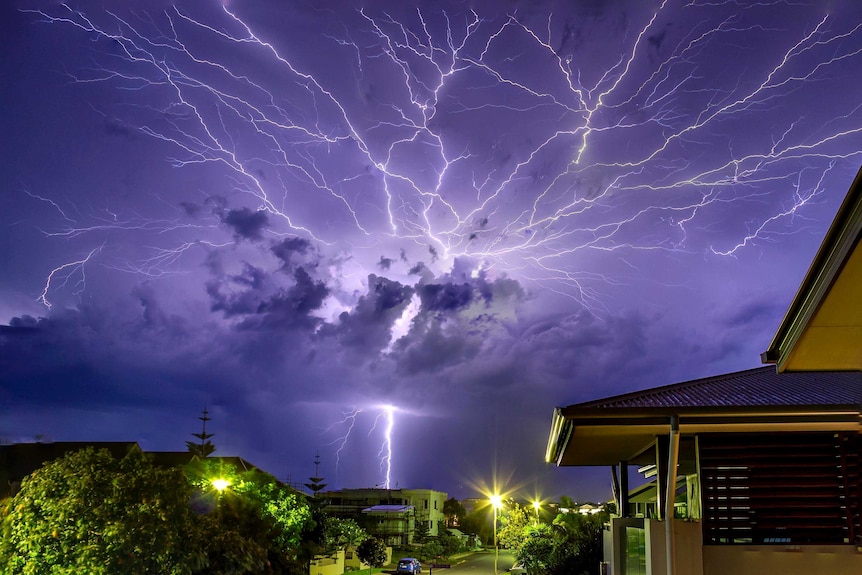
(496,502)
(220,484)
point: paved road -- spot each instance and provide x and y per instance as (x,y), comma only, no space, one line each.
(477,564)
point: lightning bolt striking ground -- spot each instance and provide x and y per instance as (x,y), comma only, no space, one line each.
(384,454)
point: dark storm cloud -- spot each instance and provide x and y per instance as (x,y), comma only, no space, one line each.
(240,294)
(445,297)
(434,346)
(293,307)
(191,209)
(85,357)
(266,304)
(292,251)
(457,321)
(154,315)
(367,327)
(385,263)
(246,224)
(422,270)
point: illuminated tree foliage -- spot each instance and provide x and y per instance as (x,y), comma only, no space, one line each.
(90,513)
(254,526)
(536,549)
(342,533)
(514,522)
(571,545)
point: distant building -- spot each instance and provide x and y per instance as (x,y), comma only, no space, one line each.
(390,514)
(428,506)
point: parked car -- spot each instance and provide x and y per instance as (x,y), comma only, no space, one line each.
(409,565)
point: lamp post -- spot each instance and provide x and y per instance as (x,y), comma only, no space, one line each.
(220,485)
(536,506)
(496,503)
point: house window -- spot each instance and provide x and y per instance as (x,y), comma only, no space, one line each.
(426,504)
(635,553)
(775,489)
(435,504)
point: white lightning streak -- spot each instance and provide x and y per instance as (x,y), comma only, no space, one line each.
(668,134)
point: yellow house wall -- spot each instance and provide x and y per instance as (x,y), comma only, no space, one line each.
(351,560)
(772,560)
(688,539)
(329,565)
(688,547)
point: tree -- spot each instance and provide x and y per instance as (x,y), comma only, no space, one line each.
(572,545)
(420,532)
(577,543)
(512,533)
(536,549)
(255,526)
(205,447)
(431,550)
(90,513)
(449,544)
(476,523)
(342,533)
(454,512)
(372,551)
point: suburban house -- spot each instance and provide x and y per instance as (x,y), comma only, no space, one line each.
(763,472)
(391,514)
(755,472)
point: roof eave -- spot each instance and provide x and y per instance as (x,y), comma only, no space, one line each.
(836,247)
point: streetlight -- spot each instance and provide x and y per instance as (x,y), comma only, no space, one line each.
(536,506)
(219,484)
(496,503)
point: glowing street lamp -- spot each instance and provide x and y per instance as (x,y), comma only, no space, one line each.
(496,503)
(219,484)
(537,505)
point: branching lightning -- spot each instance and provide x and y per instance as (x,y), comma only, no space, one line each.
(644,157)
(73,273)
(384,454)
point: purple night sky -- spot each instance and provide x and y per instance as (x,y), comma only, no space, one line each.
(293,213)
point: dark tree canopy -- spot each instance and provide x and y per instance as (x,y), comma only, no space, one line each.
(90,513)
(372,551)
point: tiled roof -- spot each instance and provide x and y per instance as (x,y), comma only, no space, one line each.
(761,387)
